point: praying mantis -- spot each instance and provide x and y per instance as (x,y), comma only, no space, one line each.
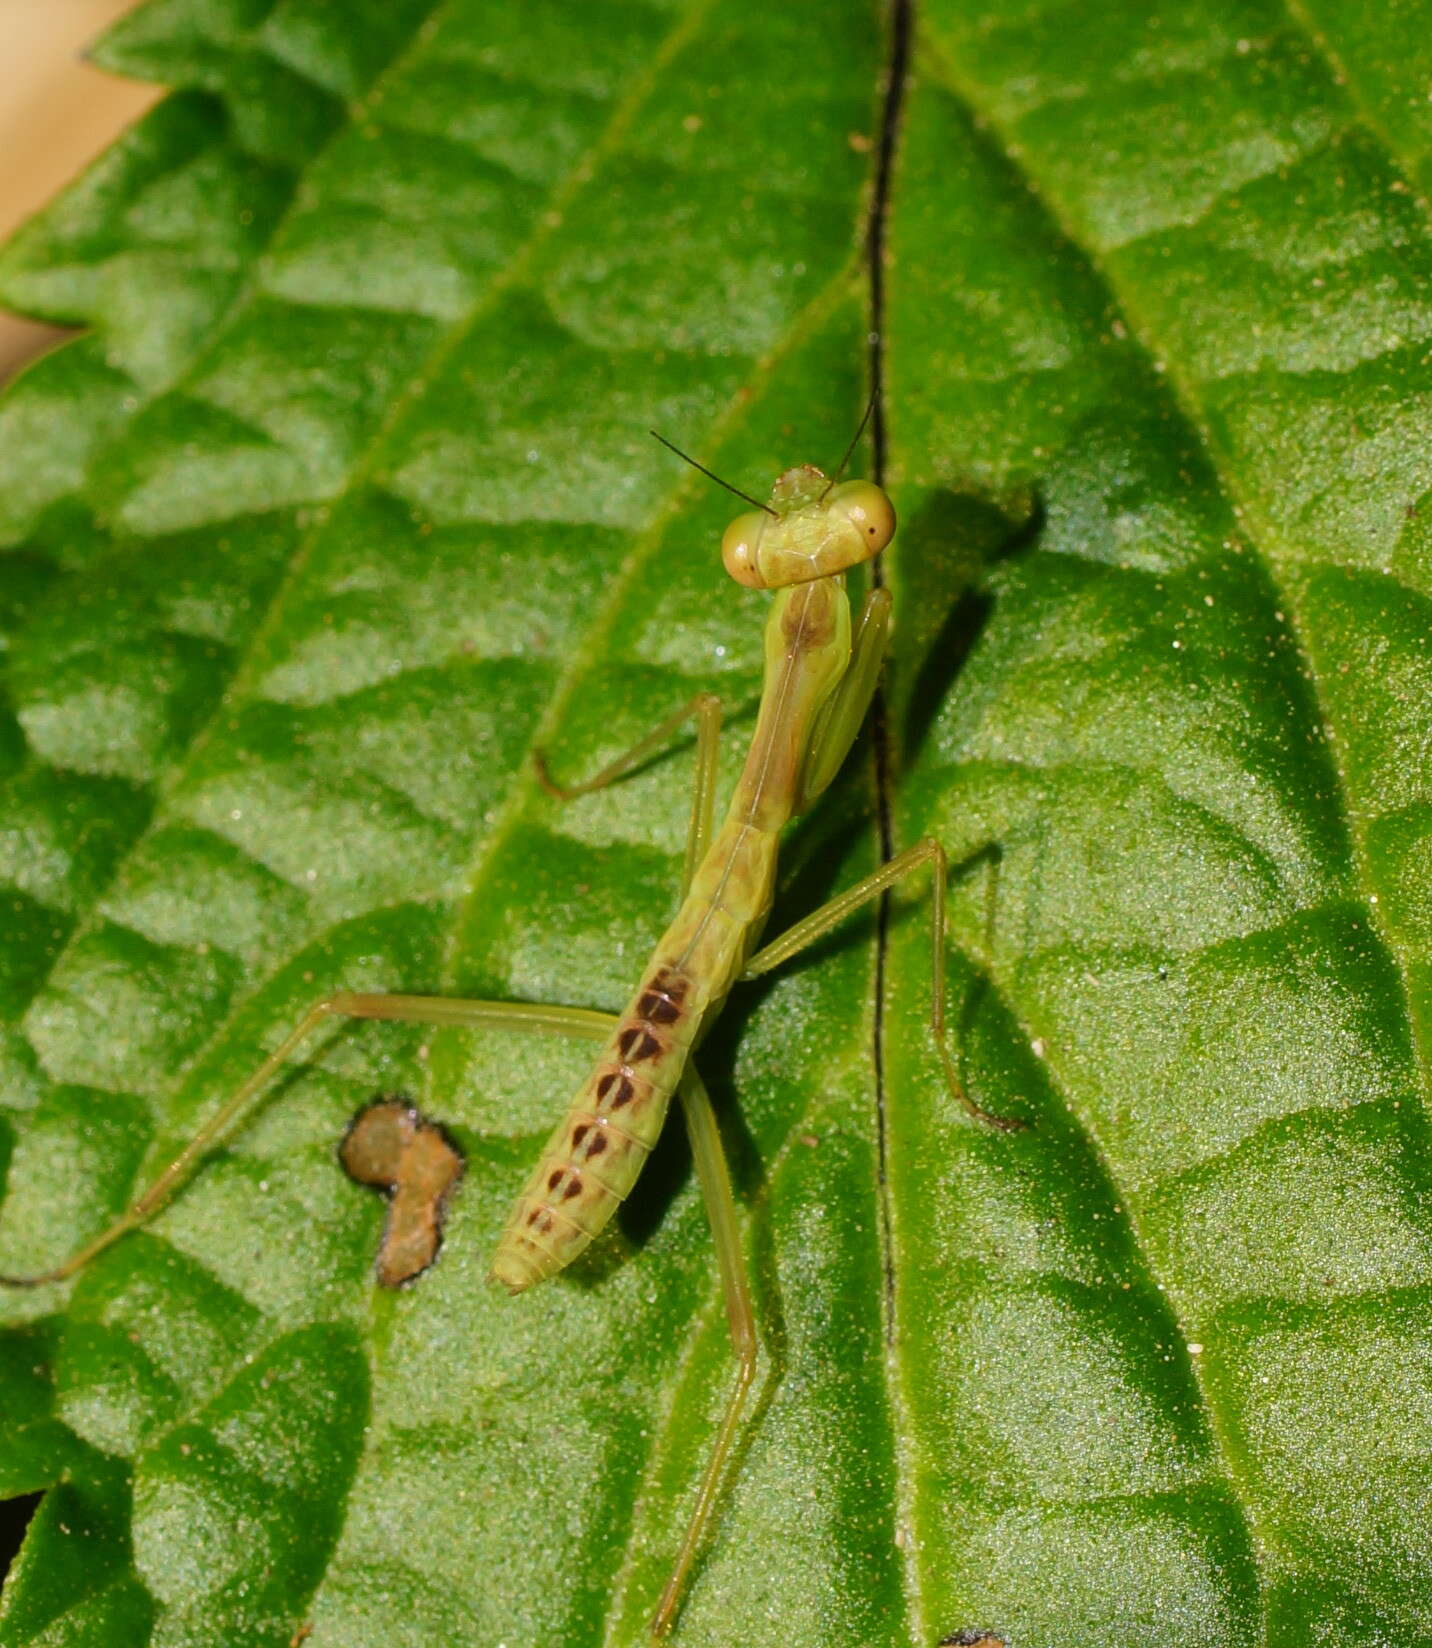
(822,666)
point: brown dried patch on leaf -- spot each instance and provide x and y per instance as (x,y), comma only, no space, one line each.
(395,1149)
(972,1639)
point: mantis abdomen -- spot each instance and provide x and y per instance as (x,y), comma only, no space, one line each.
(593,1158)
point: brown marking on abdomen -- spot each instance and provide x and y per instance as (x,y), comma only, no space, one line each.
(610,1155)
(670,983)
(615,1089)
(656,1007)
(637,1044)
(542,1220)
(663,995)
(572,1186)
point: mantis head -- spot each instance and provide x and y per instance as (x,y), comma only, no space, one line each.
(810,530)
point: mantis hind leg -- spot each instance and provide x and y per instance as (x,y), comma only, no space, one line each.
(438,1010)
(715,1181)
(819,922)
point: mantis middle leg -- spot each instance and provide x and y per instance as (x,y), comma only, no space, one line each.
(819,922)
(706,707)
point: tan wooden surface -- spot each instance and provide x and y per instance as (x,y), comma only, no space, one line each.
(56,113)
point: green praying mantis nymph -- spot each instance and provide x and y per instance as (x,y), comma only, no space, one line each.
(821,669)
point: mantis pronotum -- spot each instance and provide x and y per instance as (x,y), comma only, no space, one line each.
(820,675)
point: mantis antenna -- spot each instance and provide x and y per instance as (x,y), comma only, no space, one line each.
(711,474)
(859,431)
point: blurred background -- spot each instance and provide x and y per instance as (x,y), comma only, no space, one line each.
(57,112)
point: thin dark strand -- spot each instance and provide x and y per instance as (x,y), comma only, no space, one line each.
(711,475)
(896,85)
(902,28)
(854,439)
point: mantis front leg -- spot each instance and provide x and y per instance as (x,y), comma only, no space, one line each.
(835,732)
(842,716)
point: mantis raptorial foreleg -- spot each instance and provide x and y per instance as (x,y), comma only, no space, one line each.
(844,713)
(819,922)
(438,1010)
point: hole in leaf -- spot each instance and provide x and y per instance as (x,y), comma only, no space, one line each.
(15,1517)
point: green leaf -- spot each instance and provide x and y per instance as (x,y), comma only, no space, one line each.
(343,503)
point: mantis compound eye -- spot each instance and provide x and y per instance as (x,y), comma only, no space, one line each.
(739,546)
(868,510)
